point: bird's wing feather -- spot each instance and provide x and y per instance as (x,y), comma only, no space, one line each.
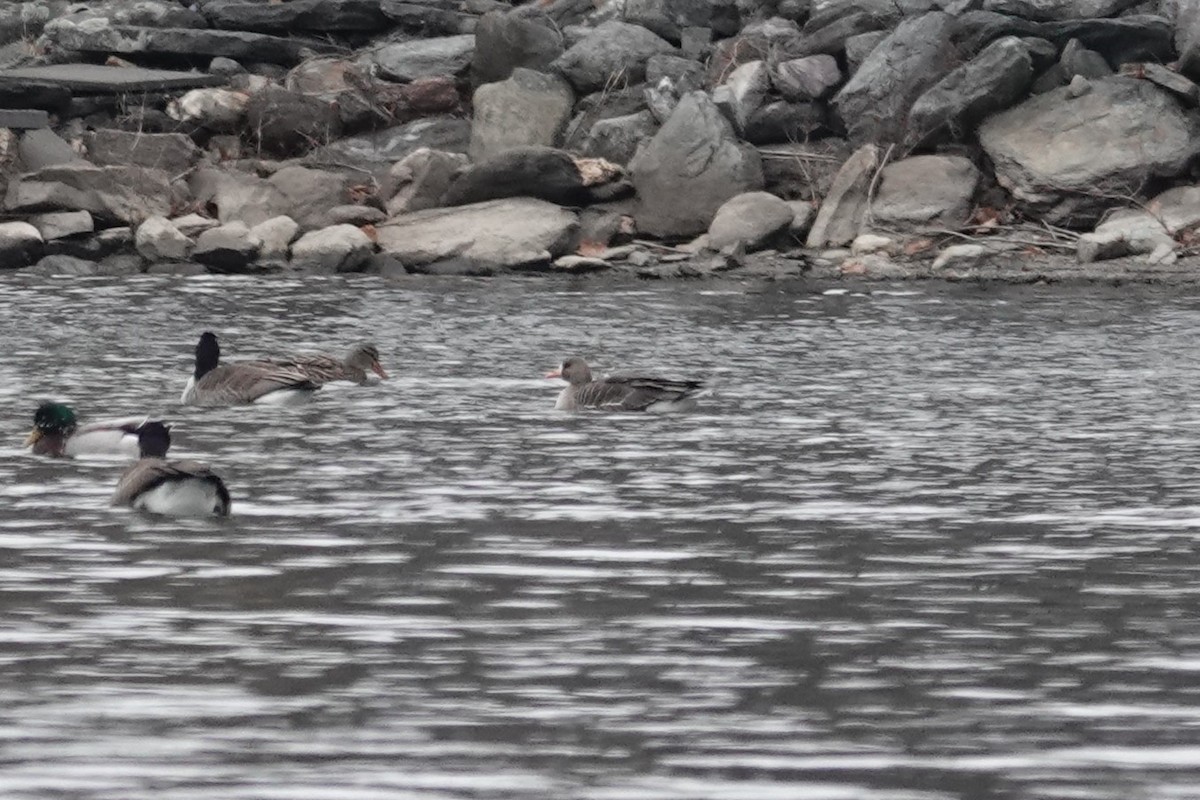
(150,472)
(319,368)
(633,393)
(248,381)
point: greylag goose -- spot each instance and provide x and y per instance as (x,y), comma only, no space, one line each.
(58,434)
(216,384)
(632,393)
(173,488)
(359,360)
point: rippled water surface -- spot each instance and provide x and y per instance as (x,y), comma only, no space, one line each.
(921,543)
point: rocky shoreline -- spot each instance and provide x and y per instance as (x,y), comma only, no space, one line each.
(1006,140)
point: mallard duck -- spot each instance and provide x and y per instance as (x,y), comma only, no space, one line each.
(216,384)
(354,366)
(58,434)
(173,488)
(633,393)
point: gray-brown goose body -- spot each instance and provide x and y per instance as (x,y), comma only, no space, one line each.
(360,365)
(622,393)
(215,384)
(172,488)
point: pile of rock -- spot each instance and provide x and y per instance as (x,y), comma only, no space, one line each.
(473,136)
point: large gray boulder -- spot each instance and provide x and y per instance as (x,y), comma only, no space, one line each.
(227,248)
(990,82)
(974,30)
(424,58)
(529,108)
(844,208)
(614,51)
(925,191)
(1059,9)
(686,75)
(691,166)
(497,234)
(148,13)
(97,36)
(289,123)
(752,220)
(505,41)
(1138,37)
(771,40)
(62,224)
(157,239)
(617,139)
(382,148)
(305,195)
(1185,21)
(125,195)
(668,18)
(835,36)
(743,92)
(320,16)
(420,180)
(338,248)
(173,153)
(1074,60)
(20,245)
(42,147)
(432,16)
(782,121)
(874,103)
(276,236)
(1064,153)
(808,78)
(1143,230)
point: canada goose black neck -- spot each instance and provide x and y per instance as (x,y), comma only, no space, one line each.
(208,354)
(154,439)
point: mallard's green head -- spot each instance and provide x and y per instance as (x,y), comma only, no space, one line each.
(52,419)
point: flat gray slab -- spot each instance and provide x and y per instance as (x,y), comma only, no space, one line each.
(23,119)
(103,79)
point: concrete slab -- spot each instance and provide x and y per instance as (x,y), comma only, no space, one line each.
(102,79)
(23,119)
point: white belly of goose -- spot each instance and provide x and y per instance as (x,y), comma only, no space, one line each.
(285,397)
(183,498)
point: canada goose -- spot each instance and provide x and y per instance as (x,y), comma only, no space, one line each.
(354,366)
(173,488)
(58,434)
(632,393)
(216,384)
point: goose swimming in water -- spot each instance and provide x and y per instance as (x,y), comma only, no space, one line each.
(612,393)
(58,434)
(216,384)
(172,488)
(361,359)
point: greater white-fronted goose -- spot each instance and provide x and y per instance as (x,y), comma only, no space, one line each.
(58,434)
(216,384)
(361,359)
(172,488)
(621,393)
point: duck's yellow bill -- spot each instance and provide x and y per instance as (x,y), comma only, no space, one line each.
(34,436)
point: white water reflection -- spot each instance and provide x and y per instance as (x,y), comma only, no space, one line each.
(920,544)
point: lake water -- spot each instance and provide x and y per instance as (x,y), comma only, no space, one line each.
(923,542)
